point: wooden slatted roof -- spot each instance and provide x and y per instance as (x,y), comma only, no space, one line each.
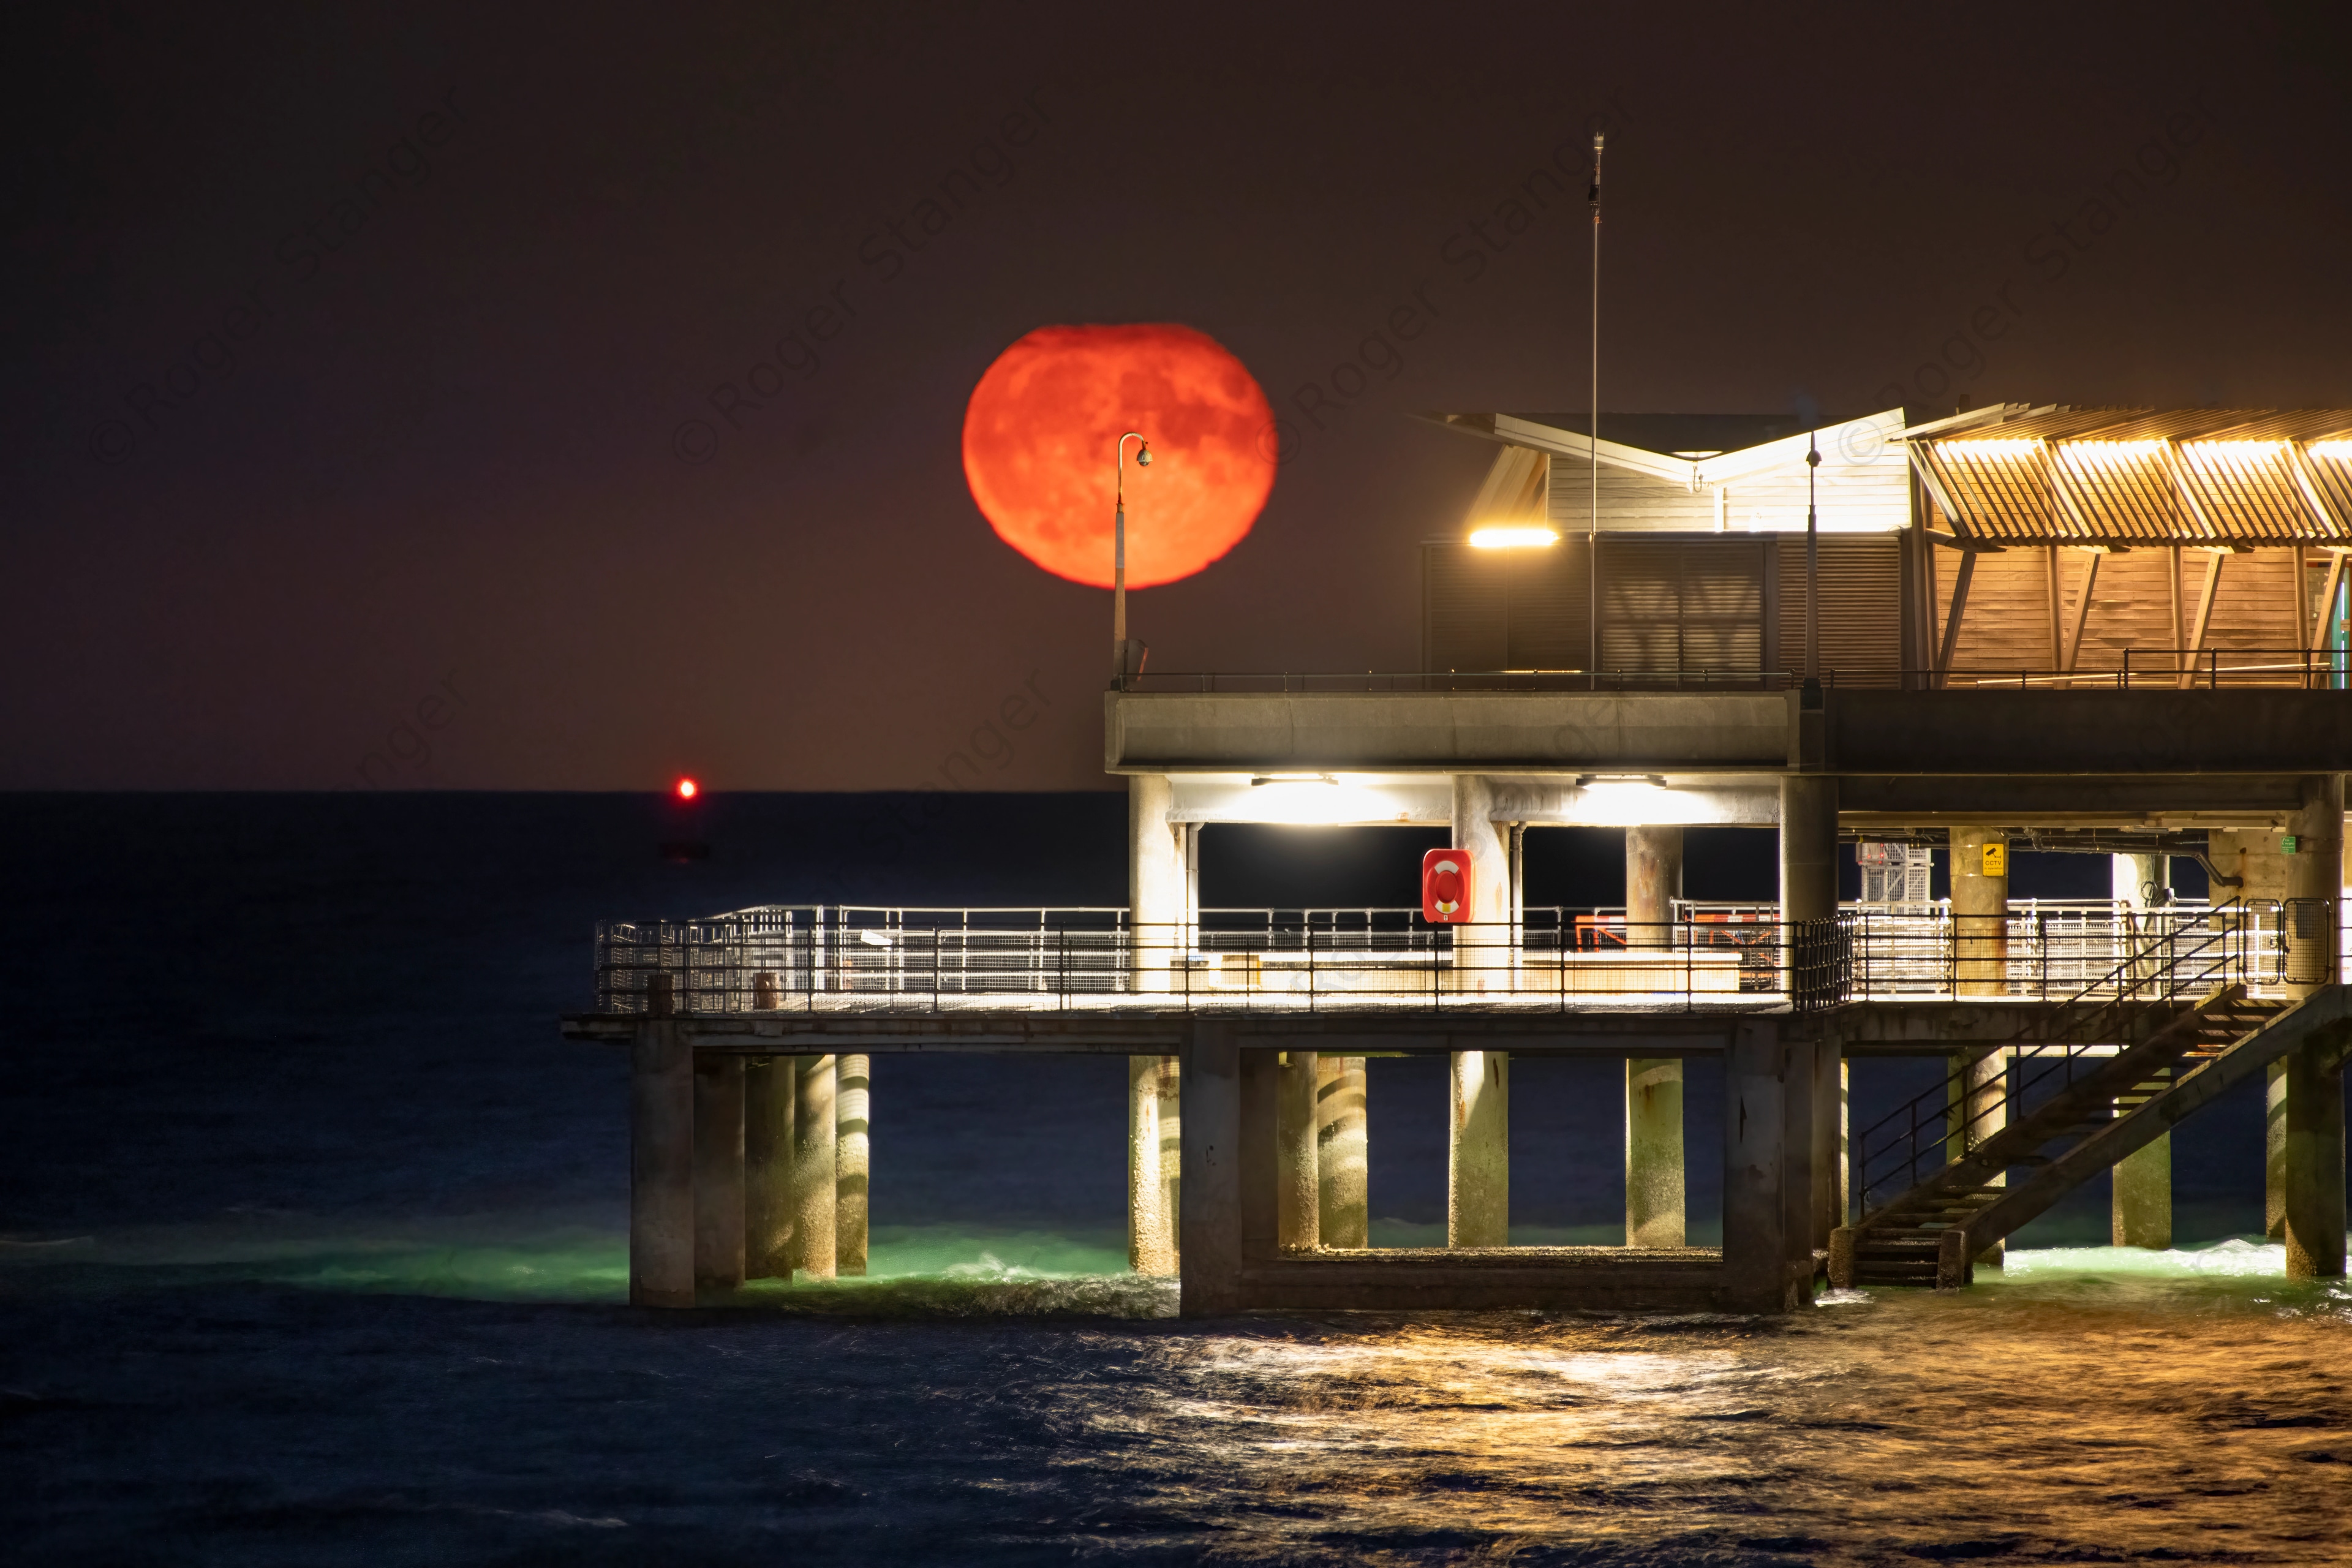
(2218,478)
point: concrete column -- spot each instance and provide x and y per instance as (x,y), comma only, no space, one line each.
(1153,1147)
(718,1170)
(1976,1108)
(1157,883)
(1808,857)
(2140,1185)
(1342,1168)
(1298,1193)
(2315,1161)
(1654,1086)
(1828,1139)
(1653,1152)
(1483,956)
(661,1166)
(1757,1276)
(2275,1092)
(816,1196)
(1478,1156)
(1979,916)
(768,1168)
(1845,1214)
(2314,885)
(1211,1222)
(853,1156)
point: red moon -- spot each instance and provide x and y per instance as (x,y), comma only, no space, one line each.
(1039,442)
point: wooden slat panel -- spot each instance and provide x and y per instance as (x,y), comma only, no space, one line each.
(1862,606)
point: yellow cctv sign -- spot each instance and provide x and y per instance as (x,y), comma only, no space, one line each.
(1996,857)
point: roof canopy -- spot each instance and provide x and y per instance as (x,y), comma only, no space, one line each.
(2218,478)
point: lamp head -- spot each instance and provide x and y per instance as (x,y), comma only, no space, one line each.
(1144,456)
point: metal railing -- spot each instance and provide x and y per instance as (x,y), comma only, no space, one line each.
(2223,945)
(2128,669)
(823,958)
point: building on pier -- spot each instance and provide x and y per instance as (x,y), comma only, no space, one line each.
(2116,632)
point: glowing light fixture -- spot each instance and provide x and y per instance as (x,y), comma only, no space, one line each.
(1981,450)
(2339,449)
(1512,537)
(1620,800)
(688,789)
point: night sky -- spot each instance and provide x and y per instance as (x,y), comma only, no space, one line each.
(559,397)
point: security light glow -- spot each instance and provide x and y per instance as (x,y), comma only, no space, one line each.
(688,789)
(1512,537)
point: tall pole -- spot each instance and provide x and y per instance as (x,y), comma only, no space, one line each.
(1592,439)
(1119,557)
(1813,566)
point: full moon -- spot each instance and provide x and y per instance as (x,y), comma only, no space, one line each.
(1039,441)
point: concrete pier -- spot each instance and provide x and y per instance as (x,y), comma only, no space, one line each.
(1979,968)
(1478,1151)
(1298,1198)
(2314,1206)
(1766,1259)
(2312,1168)
(1654,1086)
(1653,1152)
(1343,1148)
(1156,882)
(768,1168)
(852,1111)
(2140,1198)
(1154,1147)
(816,1196)
(661,1164)
(717,1171)
(1484,950)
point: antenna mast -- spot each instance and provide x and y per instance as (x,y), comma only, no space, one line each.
(1592,440)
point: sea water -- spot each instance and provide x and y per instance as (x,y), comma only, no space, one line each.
(313,1251)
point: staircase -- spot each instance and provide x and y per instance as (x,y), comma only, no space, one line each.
(2078,1092)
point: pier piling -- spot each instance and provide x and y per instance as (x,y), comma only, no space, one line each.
(768,1168)
(851,1108)
(815,1164)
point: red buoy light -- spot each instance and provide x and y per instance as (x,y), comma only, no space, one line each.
(688,789)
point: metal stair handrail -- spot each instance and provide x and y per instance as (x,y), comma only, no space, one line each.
(2206,965)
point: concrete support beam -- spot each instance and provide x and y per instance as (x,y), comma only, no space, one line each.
(1478,1151)
(1210,1220)
(2315,885)
(1758,1276)
(2142,1197)
(718,1170)
(2314,1204)
(1976,1106)
(816,1196)
(1342,1167)
(1828,1139)
(661,1166)
(1157,881)
(1299,1210)
(1485,952)
(1979,915)
(1154,1149)
(2275,1092)
(1653,1152)
(853,1156)
(1653,1087)
(2141,1183)
(768,1168)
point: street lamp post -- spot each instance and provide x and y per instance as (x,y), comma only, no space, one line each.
(1118,555)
